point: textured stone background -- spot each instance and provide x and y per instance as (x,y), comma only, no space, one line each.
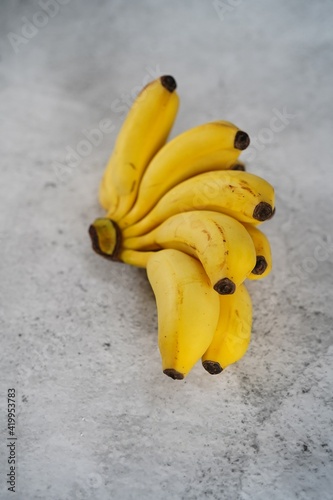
(96,417)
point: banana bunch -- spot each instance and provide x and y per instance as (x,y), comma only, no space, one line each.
(188,212)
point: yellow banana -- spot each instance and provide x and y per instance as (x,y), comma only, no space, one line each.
(142,134)
(244,196)
(108,197)
(221,243)
(263,250)
(187,309)
(233,332)
(212,146)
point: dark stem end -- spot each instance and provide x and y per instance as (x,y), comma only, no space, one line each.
(242,140)
(263,211)
(105,238)
(212,367)
(169,82)
(238,166)
(225,286)
(261,265)
(171,372)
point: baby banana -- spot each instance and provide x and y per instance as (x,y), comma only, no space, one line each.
(142,134)
(244,196)
(233,332)
(187,310)
(221,243)
(263,250)
(211,146)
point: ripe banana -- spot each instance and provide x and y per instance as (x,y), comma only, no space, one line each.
(212,146)
(263,250)
(187,308)
(221,243)
(244,196)
(233,332)
(143,133)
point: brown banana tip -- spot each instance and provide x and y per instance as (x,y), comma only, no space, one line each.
(93,233)
(263,211)
(238,166)
(225,286)
(261,265)
(212,367)
(242,140)
(170,372)
(169,82)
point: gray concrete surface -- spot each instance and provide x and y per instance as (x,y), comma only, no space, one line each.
(96,418)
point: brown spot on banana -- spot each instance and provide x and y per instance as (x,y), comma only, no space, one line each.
(207,233)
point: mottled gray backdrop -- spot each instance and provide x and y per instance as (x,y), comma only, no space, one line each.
(96,416)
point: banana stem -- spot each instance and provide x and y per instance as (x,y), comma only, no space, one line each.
(106,238)
(135,257)
(144,242)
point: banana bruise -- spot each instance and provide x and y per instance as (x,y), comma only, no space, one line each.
(244,196)
(263,250)
(221,243)
(211,146)
(187,309)
(142,134)
(233,332)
